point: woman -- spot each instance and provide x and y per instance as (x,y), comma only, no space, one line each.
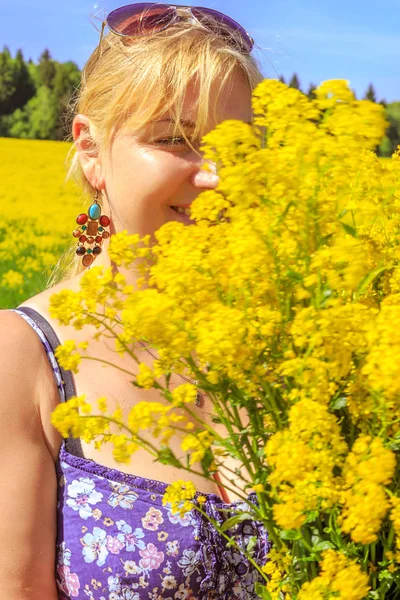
(161,78)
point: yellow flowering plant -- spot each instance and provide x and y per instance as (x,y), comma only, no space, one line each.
(283,303)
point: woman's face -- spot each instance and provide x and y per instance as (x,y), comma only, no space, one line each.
(144,174)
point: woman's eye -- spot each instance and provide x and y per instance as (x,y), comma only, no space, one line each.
(172,141)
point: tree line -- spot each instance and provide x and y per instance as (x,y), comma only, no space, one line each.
(34,99)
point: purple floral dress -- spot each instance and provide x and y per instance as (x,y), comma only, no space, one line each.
(116,541)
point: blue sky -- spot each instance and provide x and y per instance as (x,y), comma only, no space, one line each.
(358,40)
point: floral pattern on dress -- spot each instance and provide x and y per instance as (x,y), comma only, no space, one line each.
(117,541)
(122,496)
(130,539)
(82,496)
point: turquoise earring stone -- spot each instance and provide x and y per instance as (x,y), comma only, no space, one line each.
(94,211)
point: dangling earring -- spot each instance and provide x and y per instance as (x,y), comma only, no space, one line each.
(91,231)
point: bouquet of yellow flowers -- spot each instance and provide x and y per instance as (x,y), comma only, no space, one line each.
(283,303)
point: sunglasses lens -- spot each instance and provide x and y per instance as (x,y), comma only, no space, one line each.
(224,26)
(140,19)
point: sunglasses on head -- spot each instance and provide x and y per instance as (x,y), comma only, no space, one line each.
(146,18)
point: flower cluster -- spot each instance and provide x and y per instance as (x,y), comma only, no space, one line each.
(283,303)
(303,459)
(368,467)
(339,578)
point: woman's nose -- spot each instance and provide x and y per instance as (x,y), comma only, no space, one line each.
(205,179)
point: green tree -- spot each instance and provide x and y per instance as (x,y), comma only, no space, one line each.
(38,119)
(311,91)
(36,97)
(370,94)
(295,82)
(392,137)
(65,86)
(46,69)
(25,87)
(16,84)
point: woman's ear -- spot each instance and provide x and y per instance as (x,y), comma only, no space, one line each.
(88,152)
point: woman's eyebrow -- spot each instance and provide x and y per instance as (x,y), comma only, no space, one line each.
(184,122)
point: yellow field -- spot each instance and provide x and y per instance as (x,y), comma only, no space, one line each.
(38,213)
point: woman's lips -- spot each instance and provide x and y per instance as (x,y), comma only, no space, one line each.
(181,217)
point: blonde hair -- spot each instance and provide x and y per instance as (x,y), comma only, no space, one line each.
(133,81)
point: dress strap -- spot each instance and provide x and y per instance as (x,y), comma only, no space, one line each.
(54,342)
(73,445)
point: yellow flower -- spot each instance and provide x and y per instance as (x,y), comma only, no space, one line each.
(368,467)
(66,356)
(198,444)
(258,487)
(124,447)
(340,577)
(303,459)
(145,376)
(184,394)
(102,404)
(180,495)
(12,279)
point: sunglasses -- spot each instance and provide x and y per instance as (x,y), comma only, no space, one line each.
(146,18)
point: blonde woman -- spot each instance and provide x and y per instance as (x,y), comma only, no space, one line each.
(73,524)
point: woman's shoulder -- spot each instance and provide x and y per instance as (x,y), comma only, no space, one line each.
(26,464)
(26,373)
(30,339)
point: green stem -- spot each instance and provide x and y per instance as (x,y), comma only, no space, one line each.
(252,455)
(373,560)
(113,334)
(232,542)
(106,362)
(148,446)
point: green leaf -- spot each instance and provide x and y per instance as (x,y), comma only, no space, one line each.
(262,592)
(368,279)
(251,544)
(207,460)
(285,212)
(167,457)
(234,520)
(349,229)
(290,534)
(294,276)
(342,213)
(321,546)
(339,403)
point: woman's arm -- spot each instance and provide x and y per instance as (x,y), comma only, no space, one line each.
(28,485)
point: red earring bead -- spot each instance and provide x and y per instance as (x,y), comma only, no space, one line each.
(87,260)
(105,235)
(104,220)
(82,218)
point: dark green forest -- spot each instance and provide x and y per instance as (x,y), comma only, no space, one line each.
(34,99)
